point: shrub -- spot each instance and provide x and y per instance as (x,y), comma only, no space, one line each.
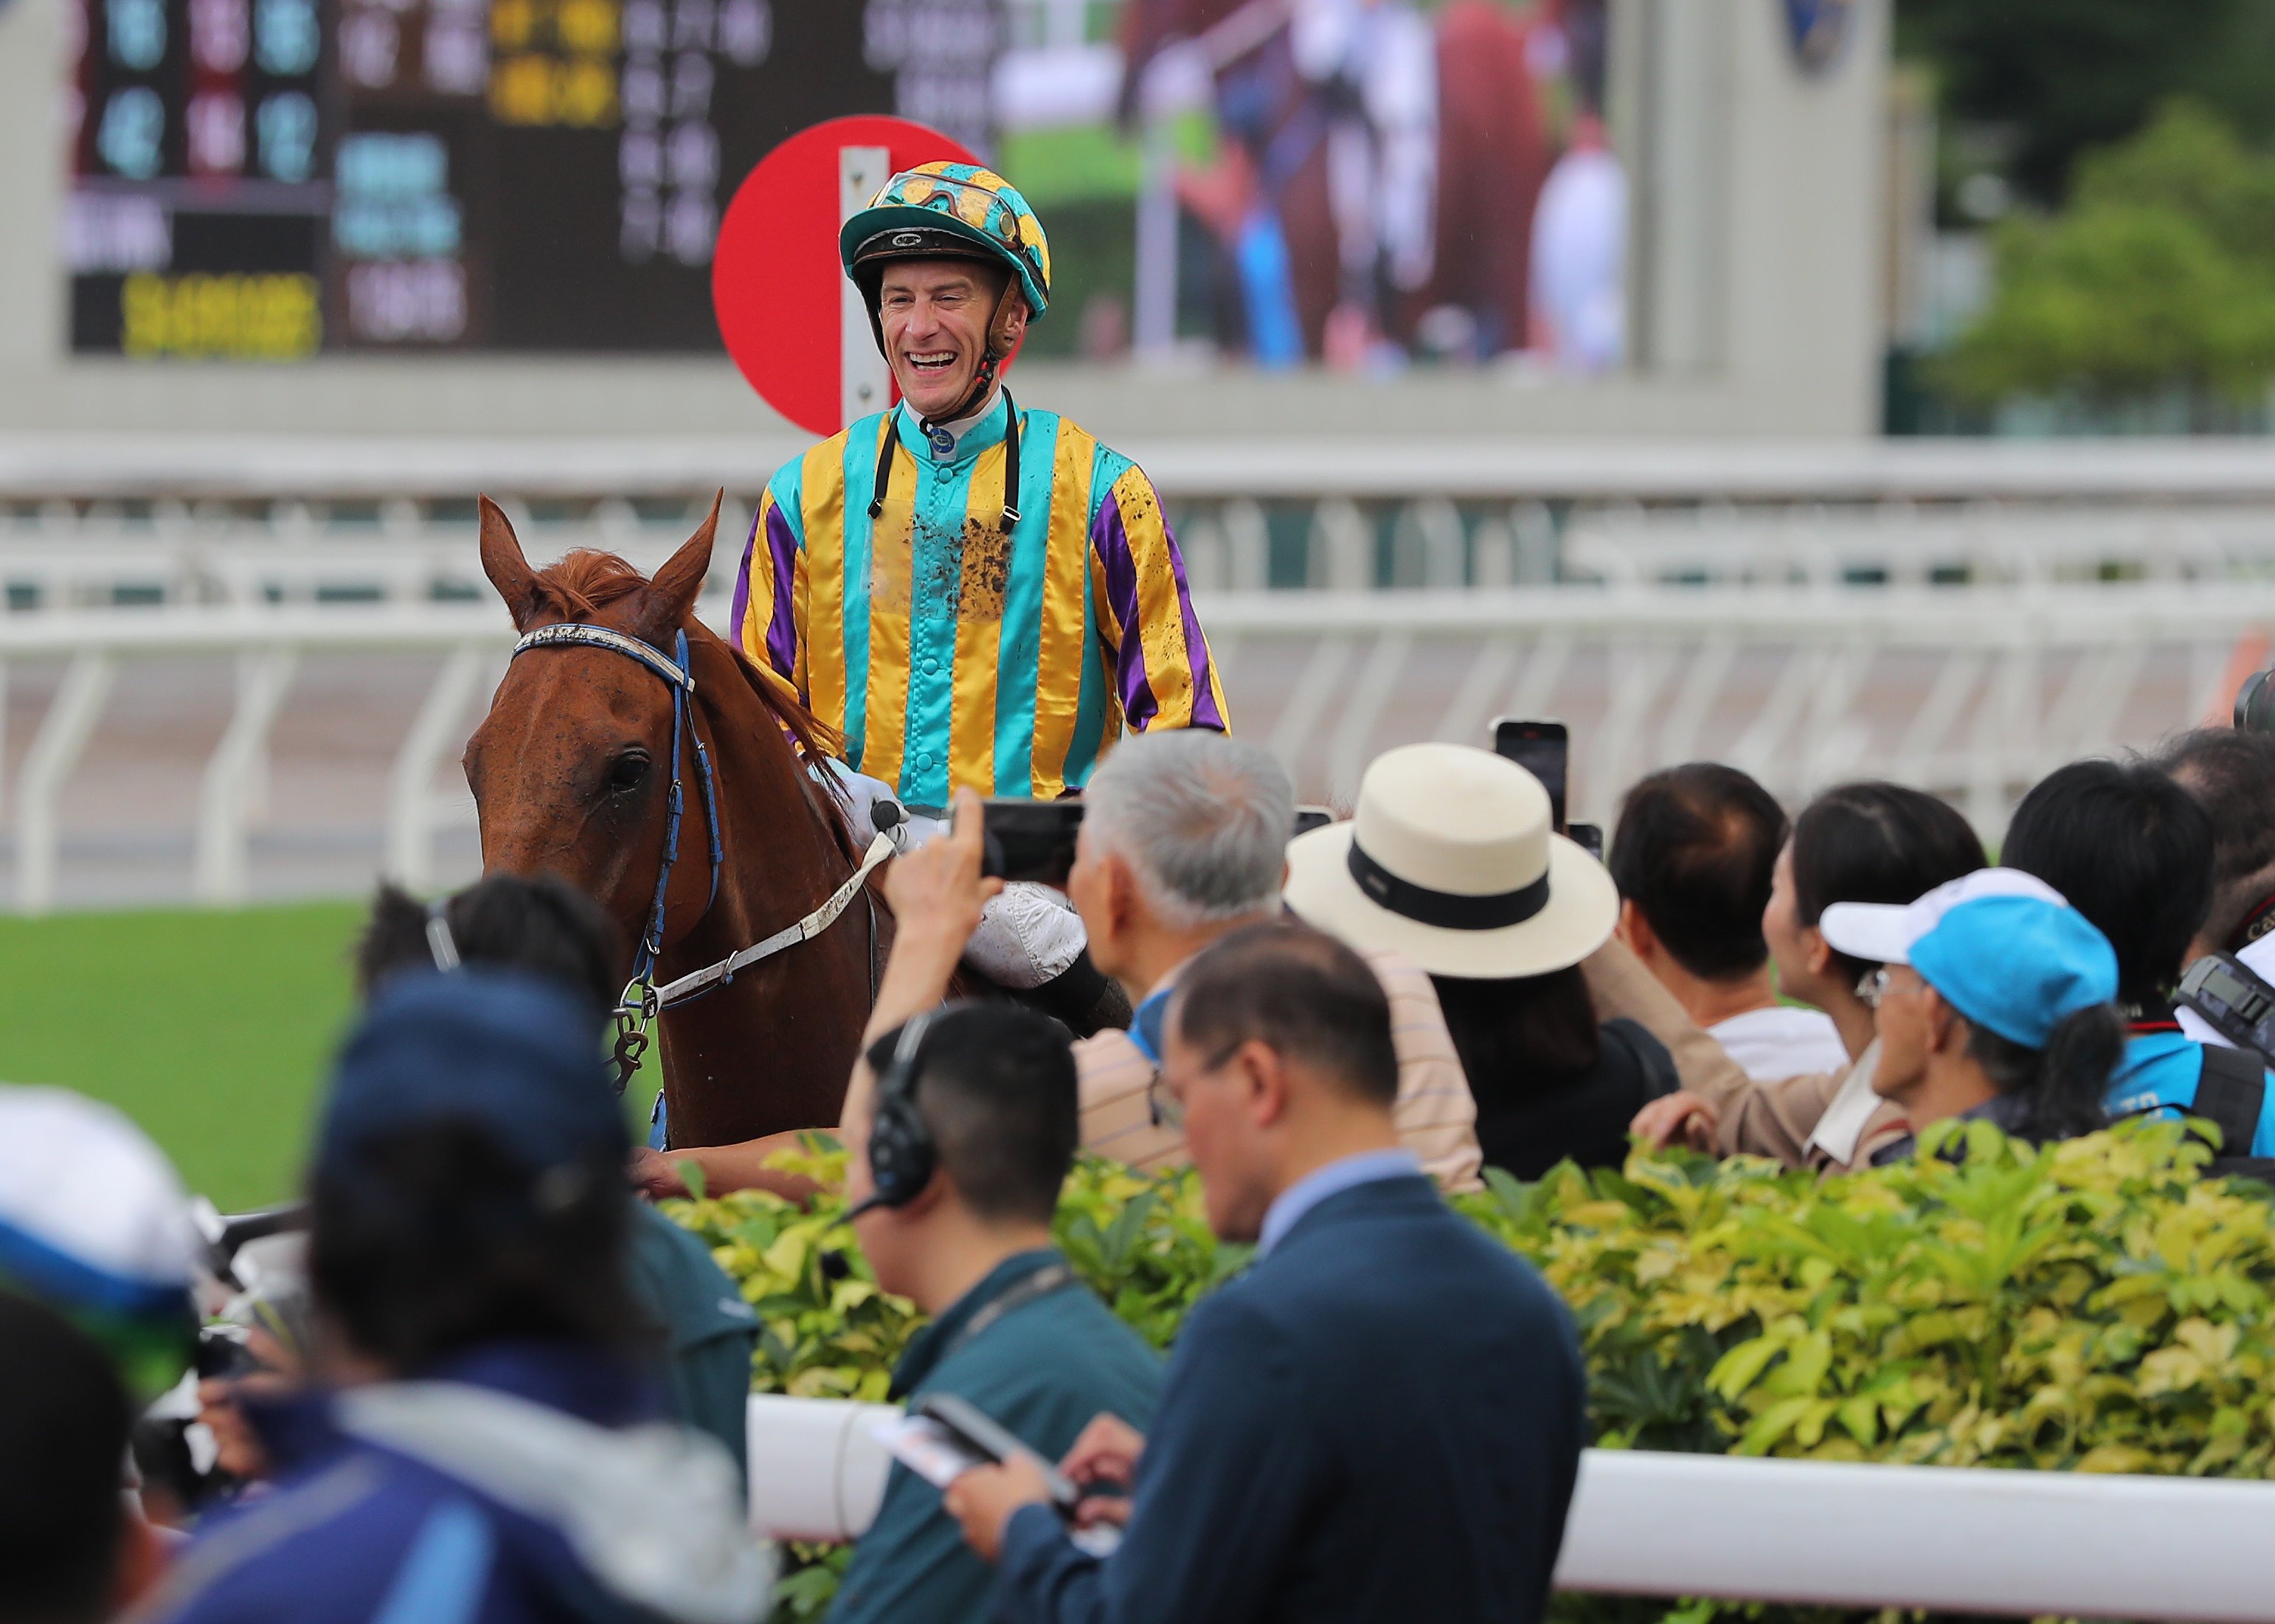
(2094,1306)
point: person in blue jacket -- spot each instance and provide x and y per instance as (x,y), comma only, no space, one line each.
(1382,1420)
(2132,851)
(488,1445)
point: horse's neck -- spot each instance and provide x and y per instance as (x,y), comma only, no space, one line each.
(772,1051)
(786,847)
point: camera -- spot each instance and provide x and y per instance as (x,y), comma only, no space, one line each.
(2254,703)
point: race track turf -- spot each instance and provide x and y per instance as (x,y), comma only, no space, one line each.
(209,1027)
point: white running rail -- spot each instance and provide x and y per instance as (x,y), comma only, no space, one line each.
(2023,1543)
(1973,692)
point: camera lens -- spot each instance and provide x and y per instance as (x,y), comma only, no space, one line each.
(2254,703)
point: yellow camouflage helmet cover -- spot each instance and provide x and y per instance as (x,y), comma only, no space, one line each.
(935,207)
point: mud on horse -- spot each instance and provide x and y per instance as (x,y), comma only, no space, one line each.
(623,722)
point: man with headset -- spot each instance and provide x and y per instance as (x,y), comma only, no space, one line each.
(960,1129)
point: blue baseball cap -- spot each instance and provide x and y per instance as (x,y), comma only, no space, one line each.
(2003,948)
(501,1049)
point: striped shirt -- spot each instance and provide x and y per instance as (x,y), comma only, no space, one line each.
(949,652)
(1436,1115)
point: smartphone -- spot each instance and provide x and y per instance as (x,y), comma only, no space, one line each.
(1308,818)
(969,1428)
(1589,837)
(1031,840)
(1540,748)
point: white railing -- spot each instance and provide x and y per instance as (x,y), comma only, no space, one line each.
(2024,1543)
(267,645)
(61,553)
(1365,466)
(1973,692)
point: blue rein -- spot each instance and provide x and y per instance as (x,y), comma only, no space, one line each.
(638,1008)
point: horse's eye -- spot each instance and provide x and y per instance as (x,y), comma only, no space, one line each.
(628,771)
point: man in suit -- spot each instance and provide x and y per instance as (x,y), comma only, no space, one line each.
(1382,1419)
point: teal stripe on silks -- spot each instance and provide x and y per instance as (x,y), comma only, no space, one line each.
(860,483)
(935,585)
(1019,652)
(446,1574)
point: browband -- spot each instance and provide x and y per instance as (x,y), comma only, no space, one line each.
(571,633)
(1448,909)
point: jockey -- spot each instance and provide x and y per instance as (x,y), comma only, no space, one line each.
(969,591)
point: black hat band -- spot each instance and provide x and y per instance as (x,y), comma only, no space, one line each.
(1448,909)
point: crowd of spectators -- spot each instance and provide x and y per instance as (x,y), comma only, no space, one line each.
(514,1389)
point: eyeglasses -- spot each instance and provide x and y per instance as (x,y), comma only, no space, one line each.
(1873,986)
(1164,1106)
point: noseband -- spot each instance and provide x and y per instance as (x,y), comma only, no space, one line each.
(638,1006)
(641,1001)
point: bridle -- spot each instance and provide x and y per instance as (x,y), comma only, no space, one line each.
(643,1001)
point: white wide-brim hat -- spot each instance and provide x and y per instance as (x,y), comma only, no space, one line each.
(1450,860)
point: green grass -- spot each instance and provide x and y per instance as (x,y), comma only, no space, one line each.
(210,1029)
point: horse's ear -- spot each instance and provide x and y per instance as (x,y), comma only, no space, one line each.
(671,595)
(503,564)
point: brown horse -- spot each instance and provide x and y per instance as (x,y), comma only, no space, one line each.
(1493,157)
(570,772)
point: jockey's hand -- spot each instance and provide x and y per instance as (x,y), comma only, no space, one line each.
(937,893)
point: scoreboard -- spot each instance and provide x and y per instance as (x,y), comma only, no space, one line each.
(267,179)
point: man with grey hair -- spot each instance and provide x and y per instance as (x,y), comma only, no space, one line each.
(1184,840)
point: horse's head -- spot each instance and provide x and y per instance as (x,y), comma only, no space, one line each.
(572,769)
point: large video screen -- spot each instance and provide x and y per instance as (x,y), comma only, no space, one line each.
(269,179)
(1369,184)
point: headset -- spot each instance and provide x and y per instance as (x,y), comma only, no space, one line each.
(903,1153)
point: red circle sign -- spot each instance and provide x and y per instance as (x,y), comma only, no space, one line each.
(775,283)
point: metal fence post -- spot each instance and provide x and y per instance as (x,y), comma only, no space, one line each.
(235,774)
(410,784)
(55,751)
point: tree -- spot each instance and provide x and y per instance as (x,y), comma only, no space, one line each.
(2067,75)
(2159,274)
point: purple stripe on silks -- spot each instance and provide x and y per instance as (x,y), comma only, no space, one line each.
(1113,545)
(1205,714)
(742,576)
(782,630)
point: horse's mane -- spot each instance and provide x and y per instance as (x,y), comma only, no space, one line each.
(586,581)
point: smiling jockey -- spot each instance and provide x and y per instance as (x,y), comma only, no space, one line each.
(968,592)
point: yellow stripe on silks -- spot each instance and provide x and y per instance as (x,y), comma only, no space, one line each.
(1059,659)
(892,539)
(984,571)
(821,619)
(1160,613)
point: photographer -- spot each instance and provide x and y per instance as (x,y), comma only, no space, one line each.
(1382,1418)
(484,1446)
(2231,773)
(544,926)
(955,1175)
(70,1553)
(1184,839)
(2133,852)
(1450,861)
